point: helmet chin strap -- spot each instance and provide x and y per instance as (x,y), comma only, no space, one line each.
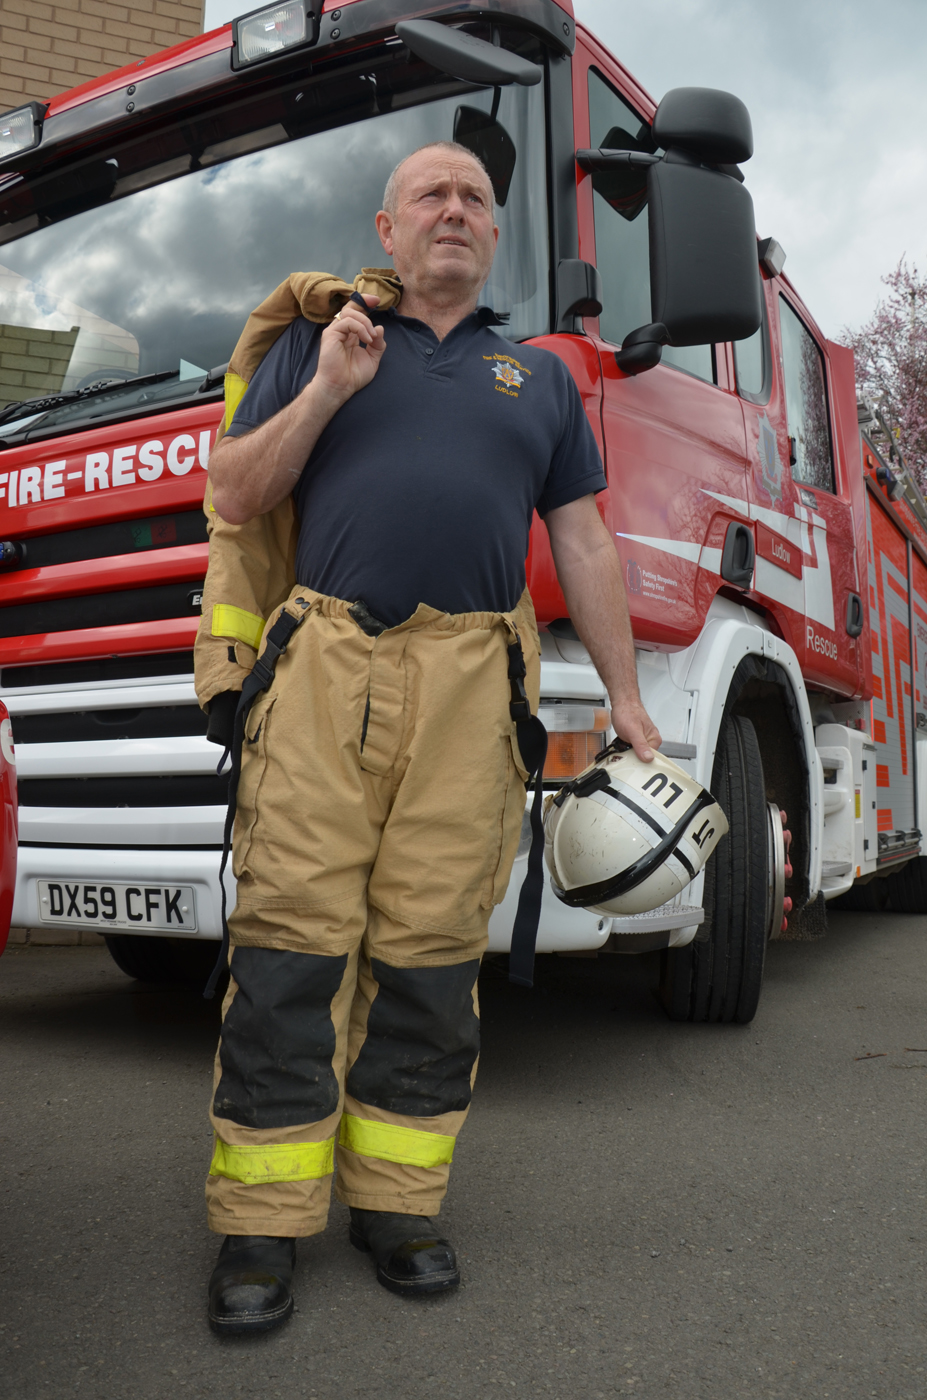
(532,743)
(616,746)
(596,781)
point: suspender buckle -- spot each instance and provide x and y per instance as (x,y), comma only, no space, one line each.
(519,708)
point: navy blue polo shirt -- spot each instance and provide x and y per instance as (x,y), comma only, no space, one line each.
(423,485)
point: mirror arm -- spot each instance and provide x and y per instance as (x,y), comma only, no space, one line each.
(642,349)
(596,160)
(579,292)
(602,159)
(734,171)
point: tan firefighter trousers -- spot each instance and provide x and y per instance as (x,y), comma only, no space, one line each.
(379,811)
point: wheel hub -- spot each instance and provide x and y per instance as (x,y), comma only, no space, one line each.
(779,869)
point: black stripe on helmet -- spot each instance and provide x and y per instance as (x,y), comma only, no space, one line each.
(584,895)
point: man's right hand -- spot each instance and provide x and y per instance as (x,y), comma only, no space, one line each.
(251,474)
(350,352)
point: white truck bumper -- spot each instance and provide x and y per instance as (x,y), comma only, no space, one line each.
(561,929)
(136,867)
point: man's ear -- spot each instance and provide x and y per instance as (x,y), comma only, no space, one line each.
(385,230)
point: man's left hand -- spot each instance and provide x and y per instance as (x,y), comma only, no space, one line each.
(632,723)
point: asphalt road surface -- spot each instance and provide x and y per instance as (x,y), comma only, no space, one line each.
(640,1208)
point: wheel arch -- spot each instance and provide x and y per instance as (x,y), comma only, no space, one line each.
(738,667)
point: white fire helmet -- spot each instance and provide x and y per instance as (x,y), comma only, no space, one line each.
(626,836)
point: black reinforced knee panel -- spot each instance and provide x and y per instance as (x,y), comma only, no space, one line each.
(278,1039)
(423,1037)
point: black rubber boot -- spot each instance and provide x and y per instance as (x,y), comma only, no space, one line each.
(250,1286)
(410,1254)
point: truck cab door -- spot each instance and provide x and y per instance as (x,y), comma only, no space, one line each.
(801,493)
(673,436)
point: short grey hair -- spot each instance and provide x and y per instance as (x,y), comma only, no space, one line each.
(391,193)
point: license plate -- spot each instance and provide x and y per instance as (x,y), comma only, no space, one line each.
(171,908)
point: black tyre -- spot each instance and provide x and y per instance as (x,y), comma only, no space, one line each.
(718,978)
(907,887)
(180,961)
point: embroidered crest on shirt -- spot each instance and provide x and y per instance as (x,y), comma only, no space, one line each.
(510,375)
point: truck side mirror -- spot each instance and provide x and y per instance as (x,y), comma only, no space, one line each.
(709,123)
(465,56)
(490,143)
(704,277)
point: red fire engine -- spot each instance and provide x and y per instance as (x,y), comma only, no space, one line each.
(776,581)
(8,824)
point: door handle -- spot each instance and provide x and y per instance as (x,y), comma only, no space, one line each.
(738,557)
(854,615)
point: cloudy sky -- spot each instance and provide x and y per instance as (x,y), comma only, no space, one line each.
(838,94)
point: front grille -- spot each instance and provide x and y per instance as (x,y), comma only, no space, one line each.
(74,726)
(104,668)
(116,537)
(181,790)
(167,600)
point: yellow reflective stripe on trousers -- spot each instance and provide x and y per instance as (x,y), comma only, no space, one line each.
(235,622)
(391,1143)
(280,1161)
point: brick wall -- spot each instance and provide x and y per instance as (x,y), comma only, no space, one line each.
(48,48)
(33,362)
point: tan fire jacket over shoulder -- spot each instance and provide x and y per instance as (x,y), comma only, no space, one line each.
(252,567)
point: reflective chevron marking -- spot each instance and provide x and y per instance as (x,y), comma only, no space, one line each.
(702,555)
(815,585)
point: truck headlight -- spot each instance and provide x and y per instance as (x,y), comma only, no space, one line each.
(266,32)
(575,734)
(21,129)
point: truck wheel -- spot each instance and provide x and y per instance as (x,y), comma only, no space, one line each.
(718,978)
(184,961)
(908,887)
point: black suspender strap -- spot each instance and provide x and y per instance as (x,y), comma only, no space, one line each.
(532,744)
(259,678)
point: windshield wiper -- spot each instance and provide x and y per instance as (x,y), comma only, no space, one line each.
(25,407)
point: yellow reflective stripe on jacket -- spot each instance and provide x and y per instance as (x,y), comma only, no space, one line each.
(391,1143)
(235,388)
(283,1161)
(235,622)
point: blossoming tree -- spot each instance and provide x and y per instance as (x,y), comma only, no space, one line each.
(891,363)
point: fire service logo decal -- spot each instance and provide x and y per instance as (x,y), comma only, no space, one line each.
(770,462)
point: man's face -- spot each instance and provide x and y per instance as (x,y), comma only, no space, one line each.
(442,234)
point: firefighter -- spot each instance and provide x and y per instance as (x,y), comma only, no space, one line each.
(382,791)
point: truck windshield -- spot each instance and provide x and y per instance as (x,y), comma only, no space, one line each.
(159,276)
